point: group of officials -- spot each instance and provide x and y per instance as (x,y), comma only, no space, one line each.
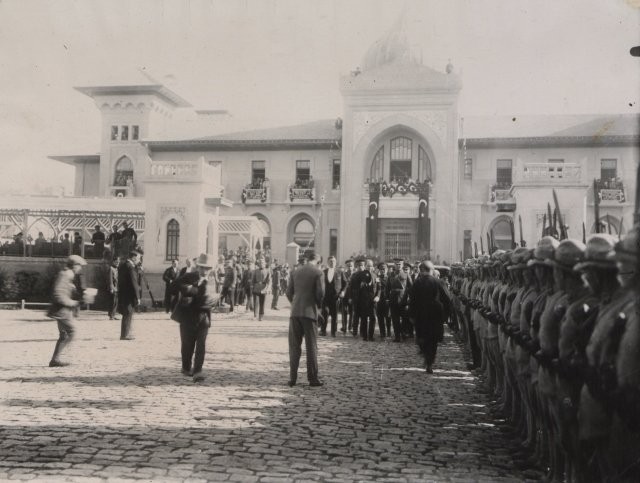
(555,330)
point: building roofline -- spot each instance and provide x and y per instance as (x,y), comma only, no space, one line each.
(242,144)
(72,159)
(157,89)
(550,141)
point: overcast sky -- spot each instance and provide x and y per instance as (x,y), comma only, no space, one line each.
(275,62)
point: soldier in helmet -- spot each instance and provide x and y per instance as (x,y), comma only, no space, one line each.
(624,448)
(566,256)
(594,413)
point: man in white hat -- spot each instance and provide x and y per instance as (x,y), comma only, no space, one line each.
(64,300)
(193,311)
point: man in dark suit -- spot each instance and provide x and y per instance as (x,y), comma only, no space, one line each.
(382,304)
(260,281)
(347,308)
(275,286)
(128,293)
(428,307)
(399,284)
(305,292)
(364,291)
(169,275)
(193,311)
(229,284)
(113,287)
(332,289)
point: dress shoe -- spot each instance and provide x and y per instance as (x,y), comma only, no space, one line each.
(322,332)
(58,364)
(198,377)
(291,383)
(429,370)
(275,308)
(187,372)
(333,334)
(259,318)
(127,338)
(316,383)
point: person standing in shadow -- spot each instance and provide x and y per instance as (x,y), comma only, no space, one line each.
(128,293)
(305,292)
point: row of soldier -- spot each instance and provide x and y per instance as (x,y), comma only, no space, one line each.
(555,331)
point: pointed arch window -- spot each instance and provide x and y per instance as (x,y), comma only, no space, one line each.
(424,165)
(377,166)
(124,172)
(173,240)
(401,157)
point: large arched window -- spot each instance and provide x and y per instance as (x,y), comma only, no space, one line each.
(173,240)
(424,165)
(303,234)
(124,172)
(377,167)
(264,224)
(400,158)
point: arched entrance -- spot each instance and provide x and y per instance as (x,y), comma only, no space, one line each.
(610,224)
(501,229)
(266,226)
(302,231)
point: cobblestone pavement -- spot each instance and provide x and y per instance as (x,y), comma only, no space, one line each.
(124,411)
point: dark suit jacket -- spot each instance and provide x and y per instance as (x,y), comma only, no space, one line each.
(230,277)
(128,287)
(195,300)
(306,291)
(428,305)
(260,279)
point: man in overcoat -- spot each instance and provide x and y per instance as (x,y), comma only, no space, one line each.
(169,275)
(305,292)
(128,293)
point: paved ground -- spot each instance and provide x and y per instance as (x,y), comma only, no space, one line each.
(124,411)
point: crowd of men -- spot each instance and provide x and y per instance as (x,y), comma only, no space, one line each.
(555,330)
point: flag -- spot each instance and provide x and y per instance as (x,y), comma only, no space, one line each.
(424,223)
(372,218)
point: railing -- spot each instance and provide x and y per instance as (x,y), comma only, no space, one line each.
(560,173)
(388,189)
(616,195)
(52,250)
(500,192)
(255,195)
(301,194)
(172,169)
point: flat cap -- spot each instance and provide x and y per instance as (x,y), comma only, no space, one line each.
(599,248)
(568,254)
(544,250)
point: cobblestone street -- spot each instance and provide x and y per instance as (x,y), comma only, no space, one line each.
(123,410)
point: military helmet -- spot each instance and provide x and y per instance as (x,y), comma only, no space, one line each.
(626,250)
(568,254)
(544,251)
(599,247)
(519,258)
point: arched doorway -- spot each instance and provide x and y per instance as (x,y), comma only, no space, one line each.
(302,232)
(266,226)
(501,229)
(610,224)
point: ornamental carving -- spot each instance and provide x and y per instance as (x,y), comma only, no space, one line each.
(178,210)
(363,120)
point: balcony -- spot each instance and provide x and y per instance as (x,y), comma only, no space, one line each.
(501,196)
(301,194)
(398,188)
(610,191)
(551,174)
(254,195)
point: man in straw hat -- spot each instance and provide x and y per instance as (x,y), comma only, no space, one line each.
(193,312)
(64,300)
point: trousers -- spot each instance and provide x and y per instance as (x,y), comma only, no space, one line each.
(330,309)
(192,345)
(299,328)
(127,321)
(66,330)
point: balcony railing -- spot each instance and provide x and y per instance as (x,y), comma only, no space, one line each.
(122,191)
(301,195)
(254,195)
(550,173)
(389,189)
(501,196)
(610,191)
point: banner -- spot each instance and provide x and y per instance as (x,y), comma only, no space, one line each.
(424,223)
(372,218)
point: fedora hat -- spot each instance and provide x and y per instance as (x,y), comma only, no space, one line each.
(599,248)
(204,260)
(568,254)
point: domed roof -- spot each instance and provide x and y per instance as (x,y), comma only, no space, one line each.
(392,47)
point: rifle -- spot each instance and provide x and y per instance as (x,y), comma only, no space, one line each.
(608,224)
(489,247)
(544,224)
(475,245)
(596,206)
(522,242)
(620,228)
(584,233)
(550,219)
(554,231)
(563,231)
(493,242)
(513,233)
(481,246)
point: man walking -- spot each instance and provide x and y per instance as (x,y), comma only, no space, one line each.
(260,280)
(228,284)
(193,311)
(333,287)
(305,292)
(169,275)
(128,293)
(275,286)
(64,301)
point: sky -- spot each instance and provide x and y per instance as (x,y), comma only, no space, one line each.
(278,62)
